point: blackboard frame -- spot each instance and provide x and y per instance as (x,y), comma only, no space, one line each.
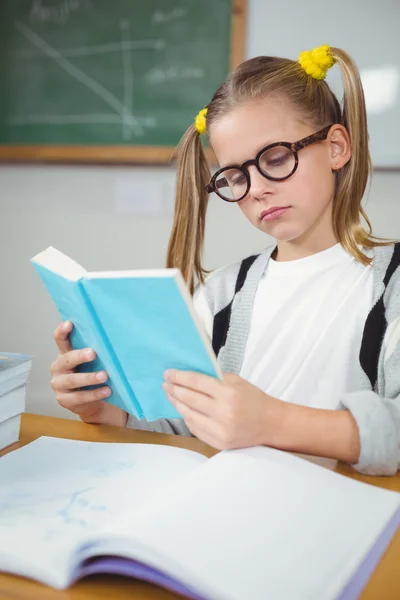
(124,154)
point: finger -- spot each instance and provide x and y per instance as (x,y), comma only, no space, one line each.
(205,435)
(190,415)
(79,402)
(61,336)
(195,381)
(194,400)
(72,381)
(69,361)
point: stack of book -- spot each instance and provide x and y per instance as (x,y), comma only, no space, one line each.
(14,375)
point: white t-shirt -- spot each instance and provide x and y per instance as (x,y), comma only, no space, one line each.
(306,327)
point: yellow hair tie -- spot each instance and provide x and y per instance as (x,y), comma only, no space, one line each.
(200,121)
(316,62)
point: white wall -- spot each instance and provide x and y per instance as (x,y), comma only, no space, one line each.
(367,29)
(75,208)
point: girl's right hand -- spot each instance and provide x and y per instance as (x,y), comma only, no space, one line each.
(67,383)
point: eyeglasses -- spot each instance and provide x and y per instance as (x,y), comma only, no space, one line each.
(277,162)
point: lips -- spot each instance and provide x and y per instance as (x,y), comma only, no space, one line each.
(273,212)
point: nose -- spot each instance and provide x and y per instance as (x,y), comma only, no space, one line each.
(260,186)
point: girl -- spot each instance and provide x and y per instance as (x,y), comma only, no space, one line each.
(308,331)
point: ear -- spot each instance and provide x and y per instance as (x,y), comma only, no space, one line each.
(339,147)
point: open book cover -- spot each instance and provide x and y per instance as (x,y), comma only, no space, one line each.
(139,323)
(254,523)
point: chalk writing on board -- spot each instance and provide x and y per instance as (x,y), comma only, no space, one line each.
(164,16)
(158,75)
(121,109)
(58,13)
(78,52)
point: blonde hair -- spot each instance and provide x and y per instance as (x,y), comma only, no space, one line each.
(258,78)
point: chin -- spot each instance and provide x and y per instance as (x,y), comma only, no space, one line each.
(282,232)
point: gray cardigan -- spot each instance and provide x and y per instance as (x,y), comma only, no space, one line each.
(376,406)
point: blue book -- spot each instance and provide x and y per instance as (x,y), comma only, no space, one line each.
(139,323)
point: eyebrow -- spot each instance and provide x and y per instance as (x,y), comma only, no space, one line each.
(236,164)
(231,164)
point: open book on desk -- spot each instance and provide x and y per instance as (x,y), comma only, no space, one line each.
(139,323)
(255,523)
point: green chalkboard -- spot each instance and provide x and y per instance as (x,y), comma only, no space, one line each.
(110,79)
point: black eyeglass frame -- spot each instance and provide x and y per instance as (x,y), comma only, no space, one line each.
(293,146)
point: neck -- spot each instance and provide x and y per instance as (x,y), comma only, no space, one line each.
(286,251)
(319,238)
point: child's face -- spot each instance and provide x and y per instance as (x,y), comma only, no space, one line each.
(307,194)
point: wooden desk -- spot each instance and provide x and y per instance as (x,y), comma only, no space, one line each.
(383,585)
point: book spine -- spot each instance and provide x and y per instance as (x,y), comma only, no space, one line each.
(110,350)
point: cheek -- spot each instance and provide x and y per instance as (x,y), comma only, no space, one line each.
(248,208)
(313,186)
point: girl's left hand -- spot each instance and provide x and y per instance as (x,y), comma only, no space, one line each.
(231,413)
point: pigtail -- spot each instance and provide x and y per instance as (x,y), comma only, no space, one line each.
(187,236)
(352,179)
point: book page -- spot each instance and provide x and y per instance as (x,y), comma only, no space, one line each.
(54,260)
(259,523)
(55,493)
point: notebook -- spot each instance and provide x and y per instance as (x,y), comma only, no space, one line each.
(254,523)
(139,323)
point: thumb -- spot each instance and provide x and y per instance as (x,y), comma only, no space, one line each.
(61,336)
